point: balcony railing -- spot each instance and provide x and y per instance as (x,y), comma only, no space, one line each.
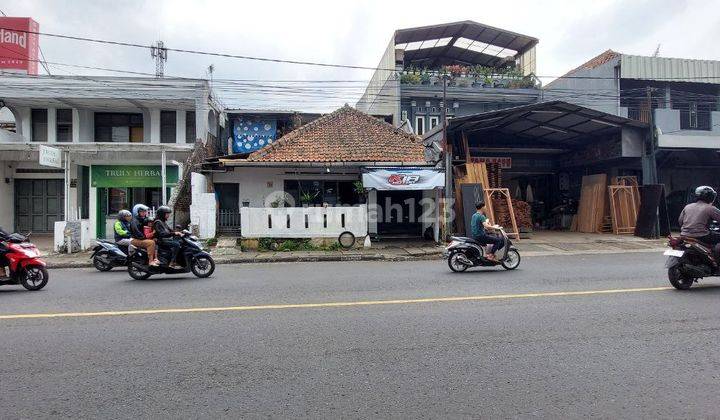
(695,120)
(461,76)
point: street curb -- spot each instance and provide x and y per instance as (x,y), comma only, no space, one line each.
(372,257)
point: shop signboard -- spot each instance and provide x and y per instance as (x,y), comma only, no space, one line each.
(122,176)
(403,178)
(505,162)
(50,156)
(19,44)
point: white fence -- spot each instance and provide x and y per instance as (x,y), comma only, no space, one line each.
(303,222)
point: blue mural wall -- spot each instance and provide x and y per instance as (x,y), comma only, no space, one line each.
(253,133)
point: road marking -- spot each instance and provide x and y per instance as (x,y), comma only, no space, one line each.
(329,304)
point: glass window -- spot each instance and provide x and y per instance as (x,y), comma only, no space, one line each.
(64,125)
(168,122)
(118,127)
(39,119)
(420,125)
(190,127)
(434,122)
(117,200)
(315,193)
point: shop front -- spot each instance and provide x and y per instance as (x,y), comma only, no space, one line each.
(403,201)
(120,187)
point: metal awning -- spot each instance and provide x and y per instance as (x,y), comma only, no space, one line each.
(467,41)
(553,122)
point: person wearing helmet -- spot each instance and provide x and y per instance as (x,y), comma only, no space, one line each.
(696,217)
(165,235)
(137,232)
(122,228)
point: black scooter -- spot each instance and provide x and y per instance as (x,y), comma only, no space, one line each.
(690,260)
(463,253)
(108,255)
(190,258)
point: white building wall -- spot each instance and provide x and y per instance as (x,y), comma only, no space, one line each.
(7,192)
(303,222)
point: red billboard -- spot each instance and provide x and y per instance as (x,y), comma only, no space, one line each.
(19,45)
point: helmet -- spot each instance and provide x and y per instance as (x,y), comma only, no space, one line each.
(122,214)
(138,208)
(706,194)
(162,211)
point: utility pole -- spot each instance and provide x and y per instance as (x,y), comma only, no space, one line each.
(159,53)
(448,162)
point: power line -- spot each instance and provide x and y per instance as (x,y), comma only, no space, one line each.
(298,62)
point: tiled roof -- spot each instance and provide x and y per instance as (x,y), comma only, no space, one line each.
(345,135)
(596,61)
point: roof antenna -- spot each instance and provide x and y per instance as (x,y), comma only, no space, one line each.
(159,53)
(657,51)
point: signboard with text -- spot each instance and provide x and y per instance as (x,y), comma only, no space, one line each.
(50,156)
(403,178)
(19,45)
(505,162)
(121,176)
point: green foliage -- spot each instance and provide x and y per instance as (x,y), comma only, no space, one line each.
(410,79)
(291,245)
(212,242)
(359,188)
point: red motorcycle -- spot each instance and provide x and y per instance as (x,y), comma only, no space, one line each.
(20,262)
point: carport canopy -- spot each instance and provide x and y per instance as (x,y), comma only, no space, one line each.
(554,122)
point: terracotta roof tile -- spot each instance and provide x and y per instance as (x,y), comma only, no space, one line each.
(345,135)
(596,61)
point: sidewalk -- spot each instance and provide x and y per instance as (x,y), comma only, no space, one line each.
(541,244)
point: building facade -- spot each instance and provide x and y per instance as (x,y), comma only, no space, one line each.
(487,68)
(113,133)
(683,96)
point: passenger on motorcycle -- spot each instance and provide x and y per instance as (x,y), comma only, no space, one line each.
(165,235)
(479,226)
(122,228)
(137,232)
(696,217)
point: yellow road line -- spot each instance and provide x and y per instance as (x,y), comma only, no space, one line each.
(328,304)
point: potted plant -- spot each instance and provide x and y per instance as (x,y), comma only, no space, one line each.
(410,79)
(307,197)
(425,78)
(359,189)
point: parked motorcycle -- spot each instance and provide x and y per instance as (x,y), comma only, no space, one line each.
(22,259)
(108,255)
(190,258)
(690,260)
(463,253)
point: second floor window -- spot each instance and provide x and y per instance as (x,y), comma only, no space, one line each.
(39,118)
(63,126)
(434,121)
(190,127)
(168,123)
(420,125)
(118,127)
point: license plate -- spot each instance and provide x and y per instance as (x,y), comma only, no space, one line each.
(674,253)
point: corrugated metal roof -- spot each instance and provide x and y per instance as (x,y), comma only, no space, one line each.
(669,69)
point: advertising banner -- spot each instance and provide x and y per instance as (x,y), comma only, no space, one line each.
(19,45)
(403,178)
(50,156)
(251,134)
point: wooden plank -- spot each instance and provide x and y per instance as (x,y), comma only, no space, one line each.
(503,194)
(624,210)
(591,208)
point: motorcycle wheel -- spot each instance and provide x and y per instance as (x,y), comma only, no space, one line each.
(677,279)
(99,264)
(202,266)
(137,274)
(454,264)
(512,260)
(34,277)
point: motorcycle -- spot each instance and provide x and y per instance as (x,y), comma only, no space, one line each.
(690,260)
(22,259)
(463,253)
(191,258)
(108,255)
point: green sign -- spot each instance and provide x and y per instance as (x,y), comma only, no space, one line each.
(119,176)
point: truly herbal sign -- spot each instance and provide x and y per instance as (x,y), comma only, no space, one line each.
(117,176)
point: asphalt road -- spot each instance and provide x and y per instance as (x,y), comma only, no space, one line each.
(370,339)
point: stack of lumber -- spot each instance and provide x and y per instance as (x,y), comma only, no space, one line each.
(624,200)
(494,173)
(591,209)
(523,215)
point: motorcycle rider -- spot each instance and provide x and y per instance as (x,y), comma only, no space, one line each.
(479,226)
(165,235)
(696,217)
(137,232)
(122,228)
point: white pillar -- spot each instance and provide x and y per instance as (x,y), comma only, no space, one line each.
(25,123)
(52,125)
(180,118)
(76,125)
(154,126)
(201,120)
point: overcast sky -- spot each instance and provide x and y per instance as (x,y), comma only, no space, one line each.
(350,32)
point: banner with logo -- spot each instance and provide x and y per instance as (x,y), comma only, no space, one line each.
(117,176)
(252,133)
(403,178)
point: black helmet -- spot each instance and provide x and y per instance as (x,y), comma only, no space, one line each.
(162,211)
(706,194)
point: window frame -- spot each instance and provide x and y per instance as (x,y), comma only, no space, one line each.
(39,126)
(419,125)
(61,125)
